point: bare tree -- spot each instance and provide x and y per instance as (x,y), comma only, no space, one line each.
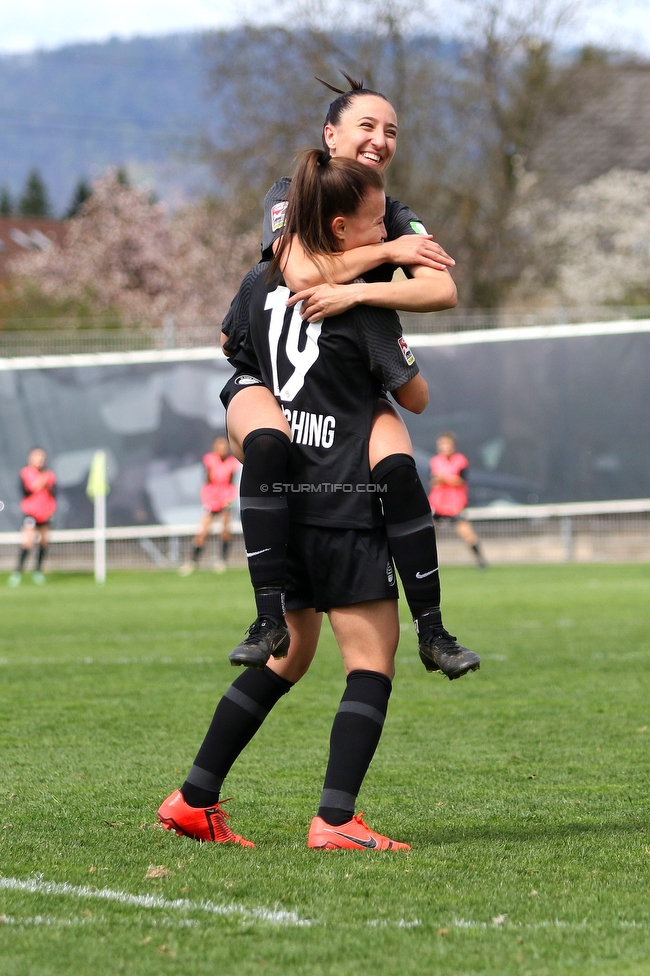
(470,114)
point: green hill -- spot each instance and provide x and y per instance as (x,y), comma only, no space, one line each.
(75,110)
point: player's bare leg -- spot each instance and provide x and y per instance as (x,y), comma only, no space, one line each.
(260,437)
(367,634)
(253,407)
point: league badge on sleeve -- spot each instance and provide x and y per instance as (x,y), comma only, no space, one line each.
(417,227)
(406,351)
(278,211)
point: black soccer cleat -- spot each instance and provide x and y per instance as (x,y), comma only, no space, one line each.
(266,637)
(440,651)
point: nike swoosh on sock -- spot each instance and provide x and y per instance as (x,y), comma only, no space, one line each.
(258,552)
(423,575)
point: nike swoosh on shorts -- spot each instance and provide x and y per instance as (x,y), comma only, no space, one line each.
(422,575)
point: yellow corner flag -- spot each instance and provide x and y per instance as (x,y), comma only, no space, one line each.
(97,483)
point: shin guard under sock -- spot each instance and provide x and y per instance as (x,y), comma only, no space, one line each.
(237,718)
(355,736)
(411,535)
(265,516)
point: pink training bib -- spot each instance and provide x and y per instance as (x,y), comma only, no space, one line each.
(448,499)
(219,491)
(39,503)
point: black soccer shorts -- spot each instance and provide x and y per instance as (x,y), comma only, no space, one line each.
(241,380)
(329,568)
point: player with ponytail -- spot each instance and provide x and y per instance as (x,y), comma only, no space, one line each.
(361,126)
(327,377)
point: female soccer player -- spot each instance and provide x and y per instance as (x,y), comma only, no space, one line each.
(360,125)
(448,497)
(217,494)
(38,506)
(338,561)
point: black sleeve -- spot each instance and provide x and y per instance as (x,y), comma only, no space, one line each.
(400,220)
(237,321)
(275,207)
(382,345)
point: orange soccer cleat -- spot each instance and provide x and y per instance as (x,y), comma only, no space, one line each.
(201,823)
(354,835)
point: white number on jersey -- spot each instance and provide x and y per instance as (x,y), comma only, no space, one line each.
(301,360)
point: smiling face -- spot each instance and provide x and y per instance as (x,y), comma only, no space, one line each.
(366,132)
(366,226)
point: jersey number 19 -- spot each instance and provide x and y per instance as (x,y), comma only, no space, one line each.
(298,334)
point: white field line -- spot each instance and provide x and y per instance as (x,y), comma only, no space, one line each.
(42,920)
(37,886)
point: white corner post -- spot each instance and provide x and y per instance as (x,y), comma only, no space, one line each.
(97,490)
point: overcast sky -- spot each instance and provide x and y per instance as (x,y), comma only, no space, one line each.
(31,24)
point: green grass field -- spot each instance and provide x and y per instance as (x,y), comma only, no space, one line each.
(523,789)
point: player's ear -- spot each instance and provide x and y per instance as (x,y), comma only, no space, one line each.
(329,137)
(339,228)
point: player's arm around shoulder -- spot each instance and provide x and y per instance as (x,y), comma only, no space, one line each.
(436,289)
(425,291)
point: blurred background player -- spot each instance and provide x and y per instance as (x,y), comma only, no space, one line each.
(448,498)
(38,487)
(218,492)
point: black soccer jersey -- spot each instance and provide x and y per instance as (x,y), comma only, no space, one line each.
(327,377)
(236,323)
(399,220)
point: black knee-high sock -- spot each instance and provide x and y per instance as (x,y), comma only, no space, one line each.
(355,736)
(237,718)
(411,535)
(42,552)
(225,549)
(265,516)
(196,554)
(22,556)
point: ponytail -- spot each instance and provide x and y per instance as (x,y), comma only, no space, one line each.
(323,187)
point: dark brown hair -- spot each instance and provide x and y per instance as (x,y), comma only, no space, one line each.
(322,188)
(343,102)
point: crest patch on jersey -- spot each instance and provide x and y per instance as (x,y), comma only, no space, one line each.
(278,211)
(418,228)
(246,380)
(406,352)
